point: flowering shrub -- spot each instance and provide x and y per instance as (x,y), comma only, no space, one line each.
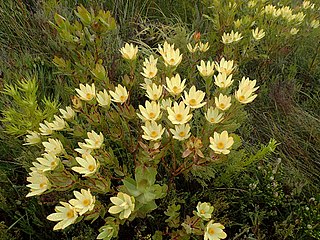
(125,147)
(133,151)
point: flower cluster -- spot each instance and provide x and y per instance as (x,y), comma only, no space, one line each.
(68,213)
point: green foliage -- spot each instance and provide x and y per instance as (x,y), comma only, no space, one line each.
(24,112)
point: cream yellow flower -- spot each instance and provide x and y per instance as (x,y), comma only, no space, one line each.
(165,103)
(258,34)
(83,150)
(170,56)
(151,112)
(252,4)
(32,138)
(67,114)
(147,82)
(294,31)
(124,204)
(174,85)
(246,89)
(204,210)
(213,115)
(221,143)
(89,166)
(194,98)
(223,102)
(203,47)
(58,124)
(270,9)
(48,162)
(315,23)
(103,98)
(120,94)
(94,141)
(154,92)
(39,183)
(192,49)
(45,128)
(307,4)
(84,201)
(222,80)
(86,93)
(214,231)
(206,70)
(179,113)
(53,146)
(181,132)
(129,51)
(224,66)
(150,67)
(65,216)
(152,131)
(228,38)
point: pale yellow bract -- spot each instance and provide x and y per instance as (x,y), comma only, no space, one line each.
(120,94)
(179,113)
(65,215)
(129,51)
(151,111)
(223,102)
(174,84)
(214,231)
(39,183)
(88,164)
(84,201)
(86,93)
(221,143)
(194,98)
(124,204)
(206,69)
(152,131)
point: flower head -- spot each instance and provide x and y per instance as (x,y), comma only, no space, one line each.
(86,93)
(170,56)
(84,201)
(151,112)
(32,138)
(245,93)
(48,162)
(83,150)
(129,51)
(67,114)
(194,98)
(315,23)
(58,124)
(223,102)
(154,92)
(258,34)
(221,143)
(192,49)
(214,231)
(203,47)
(120,94)
(181,132)
(53,146)
(222,80)
(228,38)
(294,31)
(213,115)
(65,215)
(152,131)
(179,113)
(103,98)
(124,204)
(150,67)
(39,183)
(45,128)
(204,210)
(94,141)
(174,84)
(89,166)
(225,66)
(206,70)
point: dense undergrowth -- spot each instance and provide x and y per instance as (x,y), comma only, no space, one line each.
(273,195)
